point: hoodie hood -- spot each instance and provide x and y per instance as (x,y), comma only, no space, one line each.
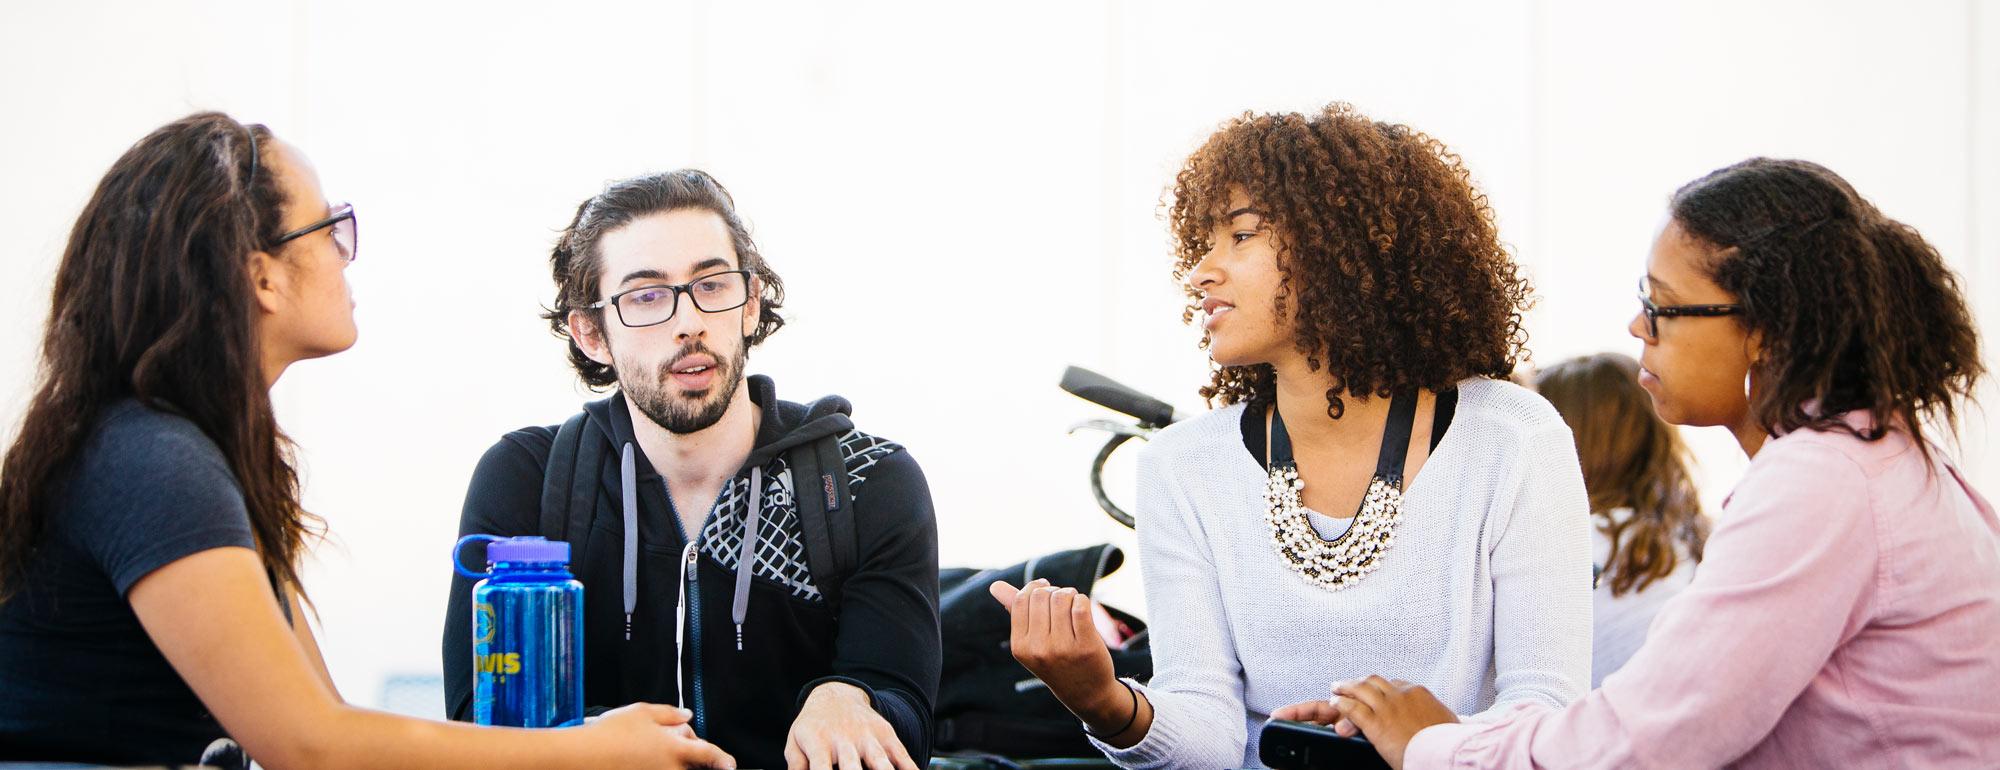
(785,425)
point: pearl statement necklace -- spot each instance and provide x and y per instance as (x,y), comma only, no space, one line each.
(1341,562)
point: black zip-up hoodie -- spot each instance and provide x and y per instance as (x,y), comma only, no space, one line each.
(884,640)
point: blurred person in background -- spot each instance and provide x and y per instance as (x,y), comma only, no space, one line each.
(1649,527)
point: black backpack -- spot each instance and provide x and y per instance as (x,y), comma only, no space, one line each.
(826,520)
(988,703)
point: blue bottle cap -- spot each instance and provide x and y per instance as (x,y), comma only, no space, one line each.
(534,550)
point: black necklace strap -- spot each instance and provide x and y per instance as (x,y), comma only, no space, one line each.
(1281,442)
(1396,437)
(1441,414)
(1252,424)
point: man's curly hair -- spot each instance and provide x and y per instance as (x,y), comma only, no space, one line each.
(577,266)
(1393,272)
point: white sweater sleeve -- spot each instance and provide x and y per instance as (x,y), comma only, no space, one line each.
(1541,580)
(1197,688)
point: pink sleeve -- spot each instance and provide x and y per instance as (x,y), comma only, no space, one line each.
(1787,578)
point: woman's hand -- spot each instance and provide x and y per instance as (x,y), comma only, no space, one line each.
(654,736)
(1388,712)
(1056,638)
(1319,712)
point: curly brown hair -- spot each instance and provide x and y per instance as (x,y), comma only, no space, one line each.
(1388,252)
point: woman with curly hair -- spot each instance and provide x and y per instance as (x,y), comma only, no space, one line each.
(1373,493)
(1845,613)
(1649,527)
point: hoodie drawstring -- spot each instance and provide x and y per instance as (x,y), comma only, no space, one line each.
(745,566)
(627,478)
(739,608)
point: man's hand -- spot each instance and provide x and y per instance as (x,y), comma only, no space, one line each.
(1389,712)
(837,728)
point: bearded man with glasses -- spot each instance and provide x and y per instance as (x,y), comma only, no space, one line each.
(757,561)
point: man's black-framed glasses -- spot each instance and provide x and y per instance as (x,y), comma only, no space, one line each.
(345,231)
(654,304)
(1655,312)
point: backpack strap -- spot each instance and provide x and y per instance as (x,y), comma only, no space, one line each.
(570,488)
(825,507)
(569,485)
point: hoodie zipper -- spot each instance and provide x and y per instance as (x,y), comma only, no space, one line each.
(690,574)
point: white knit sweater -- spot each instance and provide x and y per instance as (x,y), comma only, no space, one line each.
(1485,598)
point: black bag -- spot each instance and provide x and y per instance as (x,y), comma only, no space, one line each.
(988,703)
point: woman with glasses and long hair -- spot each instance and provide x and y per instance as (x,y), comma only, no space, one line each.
(150,526)
(1372,491)
(1846,609)
(1648,524)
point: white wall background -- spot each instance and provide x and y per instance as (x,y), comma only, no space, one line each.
(962,198)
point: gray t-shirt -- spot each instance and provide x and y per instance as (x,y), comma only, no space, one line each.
(82,680)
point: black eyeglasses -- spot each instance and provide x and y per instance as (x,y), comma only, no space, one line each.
(345,235)
(653,305)
(1655,312)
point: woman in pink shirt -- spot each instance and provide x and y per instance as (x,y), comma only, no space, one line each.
(1847,613)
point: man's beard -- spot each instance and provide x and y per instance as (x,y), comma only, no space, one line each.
(688,411)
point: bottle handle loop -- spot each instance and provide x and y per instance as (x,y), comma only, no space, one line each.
(457,549)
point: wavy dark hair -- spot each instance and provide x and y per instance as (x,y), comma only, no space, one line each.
(577,266)
(1856,311)
(1392,267)
(153,301)
(1631,459)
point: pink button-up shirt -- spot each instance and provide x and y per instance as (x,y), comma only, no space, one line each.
(1847,614)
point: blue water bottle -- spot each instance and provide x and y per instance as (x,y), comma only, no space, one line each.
(527,634)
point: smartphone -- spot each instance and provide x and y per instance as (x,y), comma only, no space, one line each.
(1287,745)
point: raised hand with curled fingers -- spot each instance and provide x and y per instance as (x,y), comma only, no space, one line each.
(1055,636)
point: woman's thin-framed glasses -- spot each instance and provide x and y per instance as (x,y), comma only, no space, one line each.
(345,235)
(653,304)
(1655,312)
